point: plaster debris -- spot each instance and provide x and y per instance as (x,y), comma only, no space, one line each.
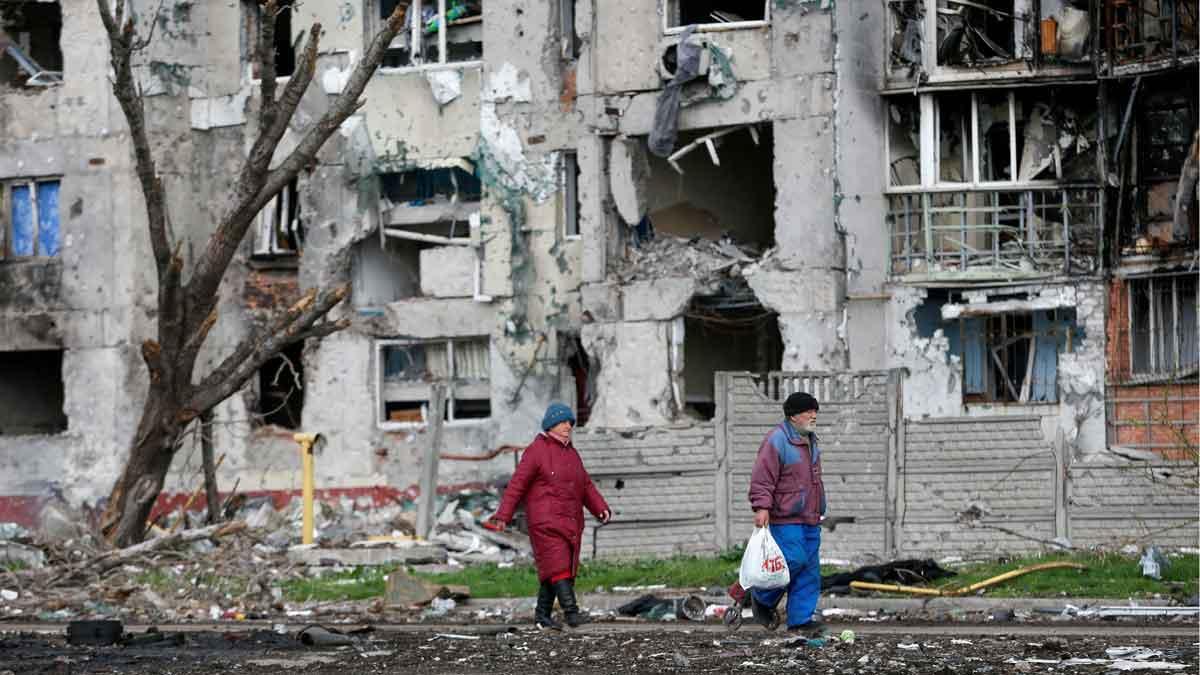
(445,85)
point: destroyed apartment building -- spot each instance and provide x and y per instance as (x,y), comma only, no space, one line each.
(968,227)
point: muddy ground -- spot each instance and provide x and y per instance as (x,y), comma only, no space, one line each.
(615,648)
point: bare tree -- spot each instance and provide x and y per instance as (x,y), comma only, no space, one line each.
(187,308)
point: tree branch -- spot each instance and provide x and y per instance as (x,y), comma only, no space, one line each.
(299,322)
(121,44)
(210,268)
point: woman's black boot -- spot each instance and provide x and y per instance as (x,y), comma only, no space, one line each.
(543,614)
(565,590)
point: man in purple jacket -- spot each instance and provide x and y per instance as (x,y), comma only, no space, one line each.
(787,494)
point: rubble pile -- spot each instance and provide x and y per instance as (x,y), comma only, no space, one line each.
(241,569)
(670,256)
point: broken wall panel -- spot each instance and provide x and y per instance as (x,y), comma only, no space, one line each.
(704,198)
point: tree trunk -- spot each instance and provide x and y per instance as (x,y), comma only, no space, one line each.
(134,493)
(211,495)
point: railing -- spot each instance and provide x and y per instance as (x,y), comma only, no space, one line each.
(824,386)
(1018,232)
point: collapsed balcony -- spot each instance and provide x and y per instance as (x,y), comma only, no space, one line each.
(1034,232)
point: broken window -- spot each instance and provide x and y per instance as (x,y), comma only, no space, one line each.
(1013,358)
(570,39)
(279,231)
(1006,232)
(431,228)
(1142,31)
(408,369)
(1162,326)
(31,393)
(906,30)
(570,194)
(719,185)
(1064,30)
(385,270)
(1166,116)
(981,32)
(281,388)
(904,141)
(578,382)
(680,13)
(284,47)
(30,55)
(428,40)
(730,331)
(29,224)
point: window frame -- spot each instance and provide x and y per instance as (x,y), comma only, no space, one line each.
(278,208)
(1157,373)
(571,226)
(6,222)
(380,403)
(414,32)
(665,11)
(251,36)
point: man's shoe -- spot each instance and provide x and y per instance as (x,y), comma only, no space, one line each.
(767,617)
(565,590)
(811,629)
(543,614)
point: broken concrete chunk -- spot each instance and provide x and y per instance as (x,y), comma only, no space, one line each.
(629,174)
(445,85)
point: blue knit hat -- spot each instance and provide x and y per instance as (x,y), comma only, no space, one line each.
(557,412)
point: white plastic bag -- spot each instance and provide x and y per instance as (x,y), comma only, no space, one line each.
(763,564)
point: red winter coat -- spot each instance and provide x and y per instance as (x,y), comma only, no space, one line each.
(555,488)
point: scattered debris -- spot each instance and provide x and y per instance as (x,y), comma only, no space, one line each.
(966,589)
(900,571)
(1153,562)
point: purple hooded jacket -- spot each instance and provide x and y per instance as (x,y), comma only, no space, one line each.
(786,479)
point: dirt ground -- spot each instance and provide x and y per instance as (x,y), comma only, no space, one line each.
(616,648)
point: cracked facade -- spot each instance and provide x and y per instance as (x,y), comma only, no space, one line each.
(984,202)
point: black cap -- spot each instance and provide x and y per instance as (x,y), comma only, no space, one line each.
(799,402)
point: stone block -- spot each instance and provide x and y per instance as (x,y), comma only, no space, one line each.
(448,272)
(657,299)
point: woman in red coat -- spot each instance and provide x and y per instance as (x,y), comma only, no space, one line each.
(555,488)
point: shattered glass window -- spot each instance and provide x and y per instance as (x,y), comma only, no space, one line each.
(408,370)
(995,155)
(955,163)
(978,32)
(906,17)
(904,141)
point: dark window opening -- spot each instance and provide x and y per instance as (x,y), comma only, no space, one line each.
(688,12)
(580,379)
(982,32)
(570,196)
(735,200)
(284,49)
(570,39)
(30,55)
(469,409)
(421,187)
(281,388)
(731,331)
(31,393)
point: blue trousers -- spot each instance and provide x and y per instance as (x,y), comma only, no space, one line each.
(801,546)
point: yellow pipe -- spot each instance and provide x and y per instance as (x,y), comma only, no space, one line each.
(1016,573)
(866,585)
(306,442)
(969,589)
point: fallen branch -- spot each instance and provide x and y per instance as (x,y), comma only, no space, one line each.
(106,561)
